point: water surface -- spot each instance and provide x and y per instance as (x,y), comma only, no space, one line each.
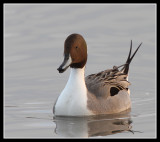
(34,36)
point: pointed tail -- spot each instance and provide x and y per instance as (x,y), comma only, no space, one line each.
(125,69)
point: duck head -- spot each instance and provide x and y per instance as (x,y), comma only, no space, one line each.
(75,53)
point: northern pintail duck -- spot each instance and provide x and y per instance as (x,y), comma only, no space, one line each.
(105,92)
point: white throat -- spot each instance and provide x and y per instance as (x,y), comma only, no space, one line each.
(73,99)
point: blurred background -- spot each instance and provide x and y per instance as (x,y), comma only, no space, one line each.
(34,36)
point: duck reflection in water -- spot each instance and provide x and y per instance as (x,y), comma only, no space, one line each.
(100,125)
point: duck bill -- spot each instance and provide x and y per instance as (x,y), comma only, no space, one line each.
(66,63)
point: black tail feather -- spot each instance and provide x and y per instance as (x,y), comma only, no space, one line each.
(125,69)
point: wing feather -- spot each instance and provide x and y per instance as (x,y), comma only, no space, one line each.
(100,84)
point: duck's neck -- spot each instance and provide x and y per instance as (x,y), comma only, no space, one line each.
(77,76)
(76,82)
(73,99)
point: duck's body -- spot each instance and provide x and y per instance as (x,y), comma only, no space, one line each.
(103,93)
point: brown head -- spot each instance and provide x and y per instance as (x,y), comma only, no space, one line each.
(75,53)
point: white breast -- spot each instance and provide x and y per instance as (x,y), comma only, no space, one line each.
(73,99)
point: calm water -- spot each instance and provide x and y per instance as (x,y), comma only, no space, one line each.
(34,36)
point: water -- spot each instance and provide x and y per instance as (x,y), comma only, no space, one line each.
(34,36)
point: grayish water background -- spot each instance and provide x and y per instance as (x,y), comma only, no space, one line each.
(34,35)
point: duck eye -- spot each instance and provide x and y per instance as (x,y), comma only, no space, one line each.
(76,47)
